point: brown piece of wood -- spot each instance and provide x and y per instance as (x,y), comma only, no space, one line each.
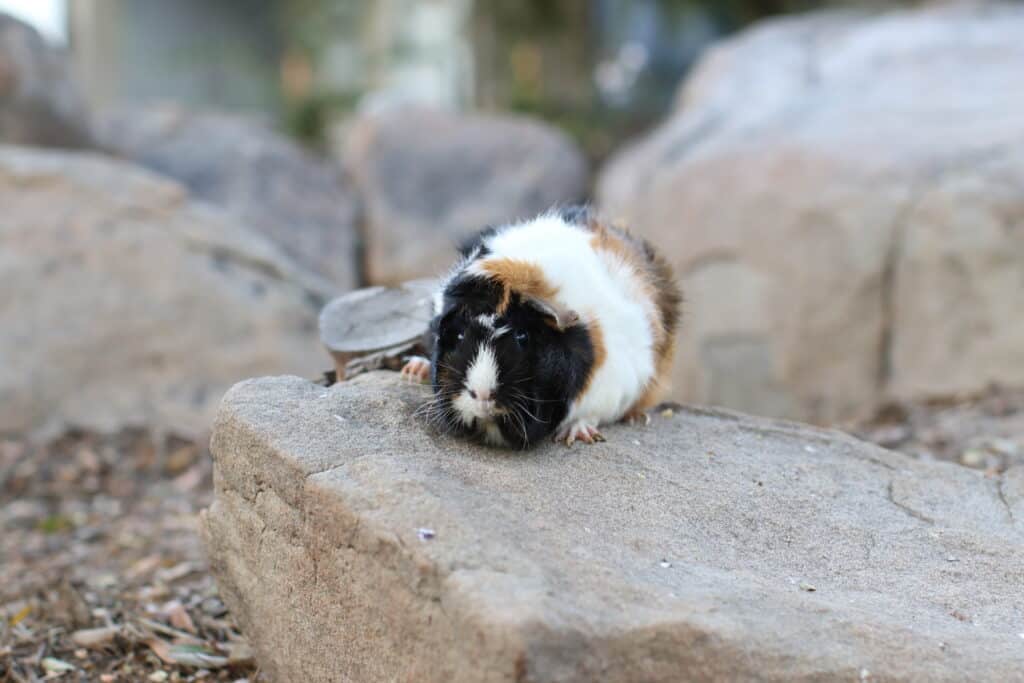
(378,321)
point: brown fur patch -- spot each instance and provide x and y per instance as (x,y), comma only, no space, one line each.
(658,285)
(522,277)
(600,354)
(659,384)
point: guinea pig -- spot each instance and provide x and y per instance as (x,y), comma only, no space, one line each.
(553,326)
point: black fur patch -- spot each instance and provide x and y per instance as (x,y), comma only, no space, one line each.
(469,245)
(540,369)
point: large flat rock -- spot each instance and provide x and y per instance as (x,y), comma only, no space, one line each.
(709,545)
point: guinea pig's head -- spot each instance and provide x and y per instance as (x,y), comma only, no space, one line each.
(505,376)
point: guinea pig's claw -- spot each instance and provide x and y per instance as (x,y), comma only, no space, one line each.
(638,418)
(416,369)
(580,431)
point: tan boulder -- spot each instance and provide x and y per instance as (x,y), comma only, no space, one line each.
(305,205)
(840,194)
(429,179)
(40,104)
(125,304)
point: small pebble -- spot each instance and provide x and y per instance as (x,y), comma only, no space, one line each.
(425,534)
(665,564)
(668,412)
(804,586)
(952,559)
(158,676)
(810,449)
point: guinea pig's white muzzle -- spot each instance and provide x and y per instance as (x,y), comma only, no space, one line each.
(476,400)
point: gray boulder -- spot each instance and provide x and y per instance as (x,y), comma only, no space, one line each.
(304,204)
(429,179)
(124,304)
(39,102)
(843,198)
(353,543)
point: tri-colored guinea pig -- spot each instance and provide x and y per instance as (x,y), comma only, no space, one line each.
(553,326)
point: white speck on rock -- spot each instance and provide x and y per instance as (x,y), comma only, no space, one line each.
(665,564)
(424,533)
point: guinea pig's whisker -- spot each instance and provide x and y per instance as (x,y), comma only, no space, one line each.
(521,406)
(447,367)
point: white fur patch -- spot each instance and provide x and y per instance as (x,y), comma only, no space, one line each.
(486,320)
(482,376)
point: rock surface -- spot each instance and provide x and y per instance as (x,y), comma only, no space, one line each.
(843,196)
(39,102)
(302,203)
(429,180)
(352,543)
(123,304)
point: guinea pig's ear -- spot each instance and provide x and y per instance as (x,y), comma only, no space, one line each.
(563,318)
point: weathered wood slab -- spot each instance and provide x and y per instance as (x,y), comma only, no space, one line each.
(370,326)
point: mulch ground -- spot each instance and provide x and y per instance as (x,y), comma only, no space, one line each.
(102,575)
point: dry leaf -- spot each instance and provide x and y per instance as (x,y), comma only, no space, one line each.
(161,649)
(143,567)
(21,614)
(178,571)
(178,617)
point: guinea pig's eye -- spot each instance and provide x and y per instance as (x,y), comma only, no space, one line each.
(522,338)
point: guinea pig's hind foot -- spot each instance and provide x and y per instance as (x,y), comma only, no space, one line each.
(637,418)
(580,430)
(416,369)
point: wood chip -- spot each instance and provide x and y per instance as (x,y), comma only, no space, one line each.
(52,665)
(240,654)
(96,638)
(197,657)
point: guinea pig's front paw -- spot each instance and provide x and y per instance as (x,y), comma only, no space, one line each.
(416,369)
(579,430)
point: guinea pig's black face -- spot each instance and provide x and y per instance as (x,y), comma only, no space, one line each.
(493,375)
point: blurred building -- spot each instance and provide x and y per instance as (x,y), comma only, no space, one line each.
(602,69)
(222,54)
